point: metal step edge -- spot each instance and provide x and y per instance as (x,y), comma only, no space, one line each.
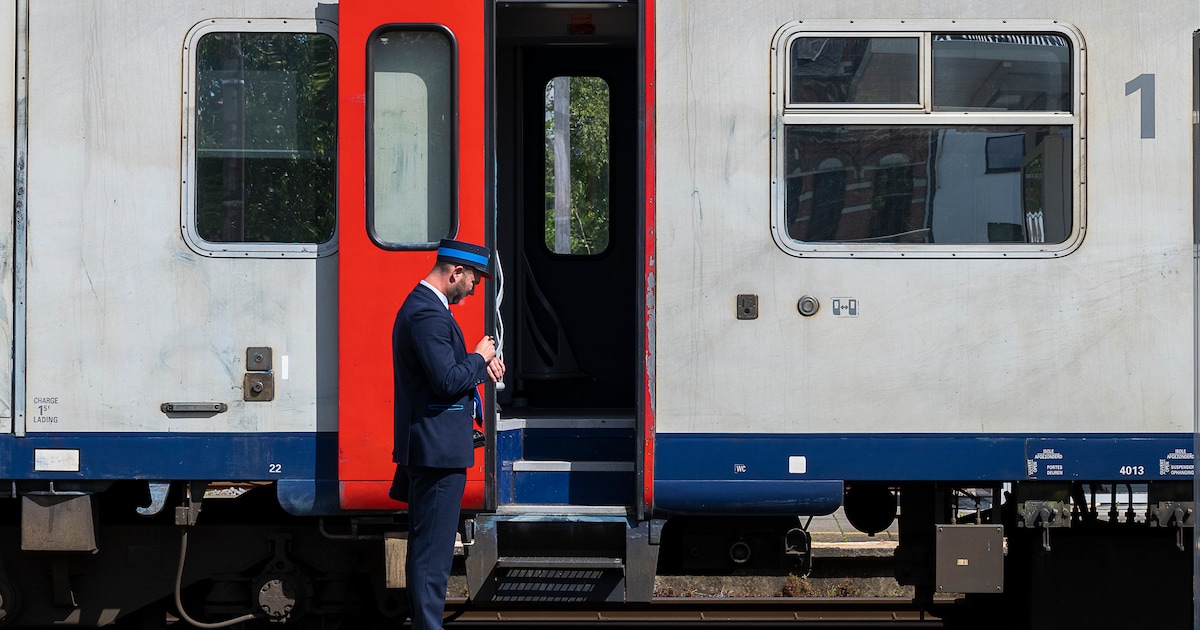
(531,511)
(512,424)
(526,465)
(540,562)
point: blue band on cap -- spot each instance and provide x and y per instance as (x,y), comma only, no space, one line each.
(475,259)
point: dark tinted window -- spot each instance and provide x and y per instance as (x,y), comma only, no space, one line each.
(265,137)
(854,70)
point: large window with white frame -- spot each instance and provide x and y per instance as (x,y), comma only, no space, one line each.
(260,149)
(897,139)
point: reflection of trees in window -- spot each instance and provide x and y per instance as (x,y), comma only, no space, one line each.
(265,134)
(891,204)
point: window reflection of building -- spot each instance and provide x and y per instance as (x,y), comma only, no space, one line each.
(831,200)
(854,69)
(829,197)
(921,184)
(892,203)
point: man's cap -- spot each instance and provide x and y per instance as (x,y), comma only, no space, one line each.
(468,254)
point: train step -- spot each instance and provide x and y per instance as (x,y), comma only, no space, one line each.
(563,554)
(569,482)
(562,459)
(557,438)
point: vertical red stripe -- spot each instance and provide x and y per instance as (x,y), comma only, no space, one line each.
(650,277)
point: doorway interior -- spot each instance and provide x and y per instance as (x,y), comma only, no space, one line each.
(567,234)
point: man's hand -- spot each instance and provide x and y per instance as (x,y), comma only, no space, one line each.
(486,348)
(495,369)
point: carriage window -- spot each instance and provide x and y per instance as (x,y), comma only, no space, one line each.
(577,189)
(862,170)
(854,70)
(264,138)
(931,186)
(1001,72)
(410,178)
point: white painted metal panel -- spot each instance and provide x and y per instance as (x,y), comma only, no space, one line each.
(8,111)
(1099,340)
(122,315)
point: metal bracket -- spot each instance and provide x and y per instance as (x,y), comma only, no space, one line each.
(797,547)
(467,532)
(259,383)
(258,387)
(158,498)
(656,527)
(747,306)
(187,513)
(258,359)
(1044,514)
(1177,514)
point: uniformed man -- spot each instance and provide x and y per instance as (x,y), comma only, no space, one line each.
(435,390)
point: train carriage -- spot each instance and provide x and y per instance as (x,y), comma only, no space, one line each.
(757,261)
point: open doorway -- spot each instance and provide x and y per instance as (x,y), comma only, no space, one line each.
(567,226)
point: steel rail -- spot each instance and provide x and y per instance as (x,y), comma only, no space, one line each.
(683,612)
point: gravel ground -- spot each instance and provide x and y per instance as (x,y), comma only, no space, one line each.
(846,563)
(840,569)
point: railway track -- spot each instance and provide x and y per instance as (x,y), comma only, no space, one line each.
(809,612)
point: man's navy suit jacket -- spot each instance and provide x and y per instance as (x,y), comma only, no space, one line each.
(435,379)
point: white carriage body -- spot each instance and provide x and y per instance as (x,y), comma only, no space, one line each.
(122,314)
(8,113)
(968,340)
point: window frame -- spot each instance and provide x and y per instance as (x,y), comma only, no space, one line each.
(784,114)
(369,144)
(188,220)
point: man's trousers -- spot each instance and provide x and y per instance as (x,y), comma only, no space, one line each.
(435,500)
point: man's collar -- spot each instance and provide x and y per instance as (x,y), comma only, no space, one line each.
(441,296)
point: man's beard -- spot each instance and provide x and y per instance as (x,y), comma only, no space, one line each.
(458,293)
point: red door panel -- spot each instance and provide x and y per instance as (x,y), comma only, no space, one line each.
(375,278)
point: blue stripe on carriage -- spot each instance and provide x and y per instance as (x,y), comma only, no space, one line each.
(934,457)
(749,497)
(171,456)
(803,474)
(304,465)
